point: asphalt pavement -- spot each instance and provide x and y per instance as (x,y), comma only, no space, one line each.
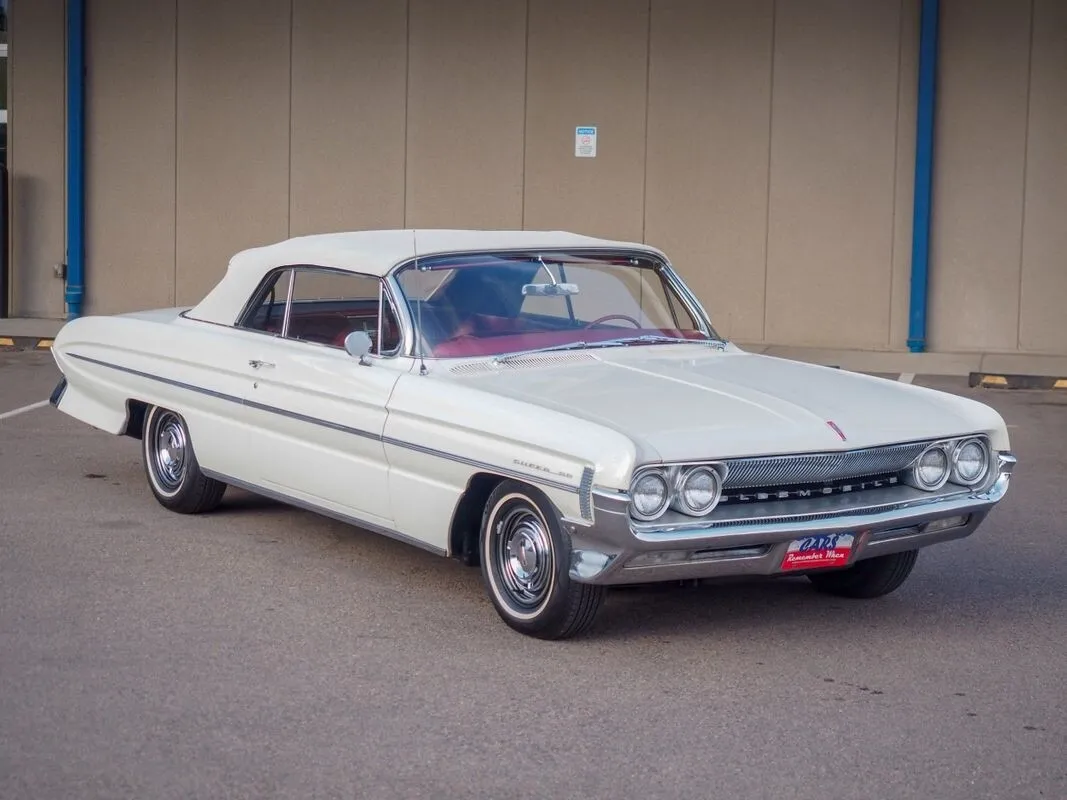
(265,652)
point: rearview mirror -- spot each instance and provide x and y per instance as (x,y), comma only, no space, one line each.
(549,289)
(358,344)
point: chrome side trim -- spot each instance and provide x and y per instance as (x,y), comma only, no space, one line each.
(160,379)
(322,423)
(471,462)
(585,494)
(326,512)
(482,465)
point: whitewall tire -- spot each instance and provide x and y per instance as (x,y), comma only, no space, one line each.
(524,561)
(173,473)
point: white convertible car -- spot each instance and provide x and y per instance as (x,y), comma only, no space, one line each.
(555,408)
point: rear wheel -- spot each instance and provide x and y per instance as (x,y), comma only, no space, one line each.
(524,561)
(173,472)
(872,577)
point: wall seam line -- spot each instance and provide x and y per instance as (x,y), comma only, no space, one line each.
(525,119)
(770,151)
(174,271)
(1026,172)
(289,204)
(896,179)
(648,115)
(407,108)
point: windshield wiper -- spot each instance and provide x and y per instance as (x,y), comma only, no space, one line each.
(520,353)
(652,338)
(620,342)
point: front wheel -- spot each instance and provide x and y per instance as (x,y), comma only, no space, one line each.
(872,577)
(173,472)
(524,560)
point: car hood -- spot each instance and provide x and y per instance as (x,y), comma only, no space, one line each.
(684,402)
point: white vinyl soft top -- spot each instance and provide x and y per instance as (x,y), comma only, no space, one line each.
(374,253)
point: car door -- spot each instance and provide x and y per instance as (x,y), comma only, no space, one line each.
(320,412)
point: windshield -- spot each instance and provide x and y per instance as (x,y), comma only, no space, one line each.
(495,304)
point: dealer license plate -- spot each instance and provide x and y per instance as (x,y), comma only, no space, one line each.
(818,552)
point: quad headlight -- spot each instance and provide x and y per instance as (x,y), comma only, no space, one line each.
(693,490)
(931,469)
(970,462)
(964,462)
(698,491)
(650,495)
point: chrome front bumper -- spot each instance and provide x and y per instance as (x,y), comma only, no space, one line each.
(615,551)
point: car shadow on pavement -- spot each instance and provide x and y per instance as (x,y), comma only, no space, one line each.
(973,599)
(946,589)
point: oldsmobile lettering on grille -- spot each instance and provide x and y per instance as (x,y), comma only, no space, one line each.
(796,493)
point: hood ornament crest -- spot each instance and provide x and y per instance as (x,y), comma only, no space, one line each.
(837,430)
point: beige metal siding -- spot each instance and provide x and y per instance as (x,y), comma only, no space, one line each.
(833,161)
(465,113)
(588,65)
(709,151)
(233,134)
(37,156)
(1043,304)
(768,146)
(904,188)
(130,207)
(348,129)
(978,189)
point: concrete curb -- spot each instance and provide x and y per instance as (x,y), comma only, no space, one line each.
(10,343)
(987,380)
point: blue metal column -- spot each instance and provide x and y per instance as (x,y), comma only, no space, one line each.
(924,167)
(75,291)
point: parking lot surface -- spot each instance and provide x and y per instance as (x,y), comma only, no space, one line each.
(261,651)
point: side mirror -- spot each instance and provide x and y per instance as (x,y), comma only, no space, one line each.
(358,344)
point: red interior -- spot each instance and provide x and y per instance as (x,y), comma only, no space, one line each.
(331,327)
(486,336)
(478,335)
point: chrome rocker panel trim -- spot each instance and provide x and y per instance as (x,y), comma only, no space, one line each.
(602,554)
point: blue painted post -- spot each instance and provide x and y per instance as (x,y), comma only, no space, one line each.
(924,168)
(75,290)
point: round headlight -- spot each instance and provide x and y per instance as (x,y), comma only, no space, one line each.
(649,496)
(931,470)
(698,491)
(971,462)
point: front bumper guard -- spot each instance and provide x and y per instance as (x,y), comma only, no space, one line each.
(612,551)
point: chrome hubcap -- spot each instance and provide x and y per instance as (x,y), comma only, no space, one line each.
(170,451)
(523,557)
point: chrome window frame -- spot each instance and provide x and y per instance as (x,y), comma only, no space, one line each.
(385,293)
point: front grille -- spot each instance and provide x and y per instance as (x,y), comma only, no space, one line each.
(808,491)
(819,468)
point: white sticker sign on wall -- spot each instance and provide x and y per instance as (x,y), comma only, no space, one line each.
(585,142)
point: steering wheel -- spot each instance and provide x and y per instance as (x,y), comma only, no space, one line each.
(606,317)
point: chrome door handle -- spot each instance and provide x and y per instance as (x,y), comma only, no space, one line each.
(255,363)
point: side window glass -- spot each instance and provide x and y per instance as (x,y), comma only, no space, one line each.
(328,305)
(266,312)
